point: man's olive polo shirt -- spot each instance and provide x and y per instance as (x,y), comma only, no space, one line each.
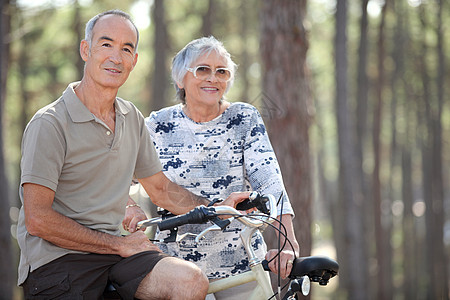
(90,168)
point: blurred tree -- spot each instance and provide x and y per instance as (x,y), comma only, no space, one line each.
(244,66)
(441,258)
(286,87)
(208,19)
(402,108)
(362,121)
(384,287)
(6,259)
(351,247)
(78,28)
(160,76)
(434,191)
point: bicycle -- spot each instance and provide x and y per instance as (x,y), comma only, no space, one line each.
(304,271)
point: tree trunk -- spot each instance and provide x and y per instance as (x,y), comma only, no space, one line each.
(354,264)
(78,27)
(160,75)
(244,66)
(440,266)
(401,150)
(208,19)
(381,234)
(286,85)
(409,253)
(7,274)
(433,178)
(362,91)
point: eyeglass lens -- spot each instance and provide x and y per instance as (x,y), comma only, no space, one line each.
(204,72)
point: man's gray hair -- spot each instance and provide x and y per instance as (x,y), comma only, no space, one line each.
(91,23)
(193,51)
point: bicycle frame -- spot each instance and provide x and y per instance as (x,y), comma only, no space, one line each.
(304,269)
(258,270)
(263,290)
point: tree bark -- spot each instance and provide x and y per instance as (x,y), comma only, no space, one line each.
(6,258)
(244,66)
(381,234)
(362,138)
(78,27)
(432,165)
(286,85)
(400,151)
(160,76)
(208,19)
(354,259)
(440,266)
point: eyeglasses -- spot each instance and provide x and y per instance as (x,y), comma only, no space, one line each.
(204,72)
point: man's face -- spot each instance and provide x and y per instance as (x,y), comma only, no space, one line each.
(112,54)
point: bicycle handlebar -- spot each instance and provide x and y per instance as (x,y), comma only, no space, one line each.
(202,214)
(198,215)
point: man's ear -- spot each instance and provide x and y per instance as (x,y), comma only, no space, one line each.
(180,86)
(135,60)
(84,50)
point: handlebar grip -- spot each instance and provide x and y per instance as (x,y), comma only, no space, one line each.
(255,200)
(196,216)
(245,205)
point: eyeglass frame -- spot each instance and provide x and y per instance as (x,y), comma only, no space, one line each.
(194,72)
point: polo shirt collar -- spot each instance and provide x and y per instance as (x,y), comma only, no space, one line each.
(78,112)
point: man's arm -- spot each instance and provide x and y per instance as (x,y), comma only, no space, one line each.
(166,194)
(42,221)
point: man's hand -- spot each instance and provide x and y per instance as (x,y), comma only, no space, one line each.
(286,262)
(135,243)
(133,215)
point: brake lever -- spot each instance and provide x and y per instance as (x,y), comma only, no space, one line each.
(221,223)
(214,227)
(182,236)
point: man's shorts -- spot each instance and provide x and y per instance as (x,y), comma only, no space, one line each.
(85,276)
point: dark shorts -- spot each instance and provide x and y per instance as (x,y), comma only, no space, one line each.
(85,276)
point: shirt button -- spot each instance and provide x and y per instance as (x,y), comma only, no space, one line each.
(108,133)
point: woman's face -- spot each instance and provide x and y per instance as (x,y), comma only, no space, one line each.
(209,91)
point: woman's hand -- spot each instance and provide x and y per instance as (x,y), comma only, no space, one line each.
(286,262)
(235,198)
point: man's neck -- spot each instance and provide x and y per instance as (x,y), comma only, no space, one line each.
(99,100)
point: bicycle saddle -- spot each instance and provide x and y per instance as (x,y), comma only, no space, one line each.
(318,268)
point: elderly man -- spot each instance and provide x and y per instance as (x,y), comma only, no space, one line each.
(79,155)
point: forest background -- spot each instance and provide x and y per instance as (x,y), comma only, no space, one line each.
(354,94)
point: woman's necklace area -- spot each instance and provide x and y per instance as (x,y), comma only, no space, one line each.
(202,119)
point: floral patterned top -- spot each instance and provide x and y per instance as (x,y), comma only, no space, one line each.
(231,153)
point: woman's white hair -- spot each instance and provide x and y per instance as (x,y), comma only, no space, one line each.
(193,51)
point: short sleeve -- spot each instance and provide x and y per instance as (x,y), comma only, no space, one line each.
(147,163)
(43,151)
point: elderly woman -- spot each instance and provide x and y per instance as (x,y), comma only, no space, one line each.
(213,148)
